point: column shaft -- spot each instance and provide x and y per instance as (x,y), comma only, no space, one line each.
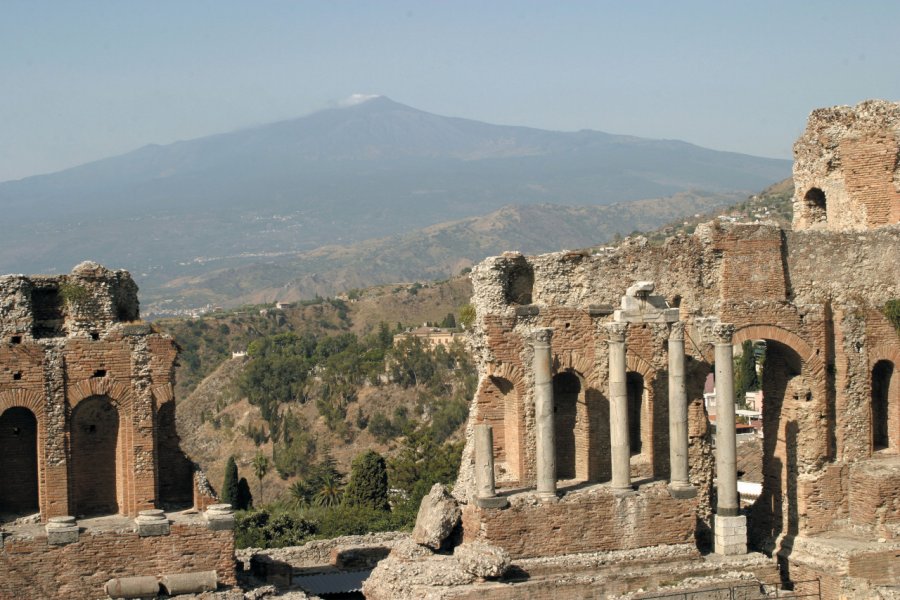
(678,415)
(484,461)
(620,448)
(543,412)
(726,435)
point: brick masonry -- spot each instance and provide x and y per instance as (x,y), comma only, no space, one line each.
(31,568)
(814,294)
(87,428)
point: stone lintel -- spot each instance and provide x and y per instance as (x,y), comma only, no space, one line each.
(651,315)
(600,310)
(136,329)
(493,502)
(528,310)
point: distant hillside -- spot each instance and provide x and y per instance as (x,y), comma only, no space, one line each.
(429,253)
(339,176)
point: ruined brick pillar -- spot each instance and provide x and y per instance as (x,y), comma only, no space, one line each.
(679,485)
(620,448)
(543,412)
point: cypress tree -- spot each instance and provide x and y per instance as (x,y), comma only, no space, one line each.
(230,485)
(745,374)
(368,482)
(244,499)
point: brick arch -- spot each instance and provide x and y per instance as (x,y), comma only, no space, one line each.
(884,352)
(19,398)
(163,393)
(575,362)
(34,402)
(119,392)
(637,364)
(773,332)
(506,417)
(814,365)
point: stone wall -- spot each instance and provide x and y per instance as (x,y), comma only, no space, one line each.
(585,522)
(31,568)
(814,296)
(846,169)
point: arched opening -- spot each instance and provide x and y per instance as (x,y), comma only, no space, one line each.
(520,284)
(566,390)
(788,410)
(635,387)
(498,406)
(881,409)
(18,462)
(95,435)
(816,209)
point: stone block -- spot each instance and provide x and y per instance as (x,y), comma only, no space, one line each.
(438,516)
(219,517)
(61,531)
(152,522)
(730,535)
(492,502)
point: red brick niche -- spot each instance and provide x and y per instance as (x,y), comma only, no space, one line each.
(593,520)
(30,568)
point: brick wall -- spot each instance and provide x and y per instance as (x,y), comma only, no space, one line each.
(588,522)
(30,568)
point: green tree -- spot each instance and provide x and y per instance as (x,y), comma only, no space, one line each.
(230,484)
(260,468)
(449,321)
(244,500)
(368,485)
(745,379)
(467,316)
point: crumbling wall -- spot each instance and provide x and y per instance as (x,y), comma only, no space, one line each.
(29,567)
(846,169)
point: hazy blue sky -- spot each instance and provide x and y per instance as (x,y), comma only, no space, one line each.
(83,80)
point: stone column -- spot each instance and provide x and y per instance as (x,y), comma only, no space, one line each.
(543,413)
(679,486)
(620,448)
(485,494)
(730,525)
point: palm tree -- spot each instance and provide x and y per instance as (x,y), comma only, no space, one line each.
(329,489)
(260,467)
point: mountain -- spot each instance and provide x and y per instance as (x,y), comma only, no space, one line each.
(430,253)
(338,176)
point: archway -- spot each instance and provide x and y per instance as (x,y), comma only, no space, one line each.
(635,387)
(790,412)
(498,406)
(95,441)
(566,392)
(18,462)
(816,206)
(883,425)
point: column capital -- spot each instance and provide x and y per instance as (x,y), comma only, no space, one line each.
(676,331)
(616,331)
(723,333)
(541,336)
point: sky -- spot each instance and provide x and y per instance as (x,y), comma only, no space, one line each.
(84,80)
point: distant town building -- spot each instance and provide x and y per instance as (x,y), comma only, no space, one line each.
(430,336)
